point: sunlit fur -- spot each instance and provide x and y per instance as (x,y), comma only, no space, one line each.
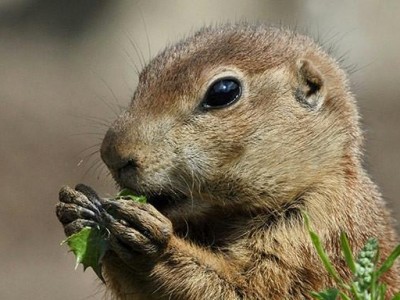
(247,170)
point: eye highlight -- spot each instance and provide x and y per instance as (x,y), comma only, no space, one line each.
(222,92)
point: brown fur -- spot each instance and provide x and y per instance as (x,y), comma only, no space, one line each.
(246,171)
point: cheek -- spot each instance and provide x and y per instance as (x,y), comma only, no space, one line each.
(209,155)
(195,158)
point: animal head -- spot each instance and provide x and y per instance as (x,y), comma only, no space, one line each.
(234,117)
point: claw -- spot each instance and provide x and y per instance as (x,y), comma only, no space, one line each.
(77,226)
(68,195)
(107,218)
(67,212)
(89,193)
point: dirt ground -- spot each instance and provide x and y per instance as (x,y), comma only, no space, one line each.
(66,67)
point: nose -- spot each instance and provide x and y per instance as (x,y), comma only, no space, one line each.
(116,152)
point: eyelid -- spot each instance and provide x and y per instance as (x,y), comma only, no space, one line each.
(211,75)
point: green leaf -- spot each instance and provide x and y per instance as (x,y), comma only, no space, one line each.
(382,291)
(396,297)
(345,297)
(91,243)
(347,252)
(321,252)
(128,194)
(89,246)
(388,263)
(329,294)
(324,256)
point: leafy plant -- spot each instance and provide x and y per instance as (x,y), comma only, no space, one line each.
(89,246)
(91,243)
(365,284)
(127,194)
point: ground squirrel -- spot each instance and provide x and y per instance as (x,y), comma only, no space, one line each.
(231,134)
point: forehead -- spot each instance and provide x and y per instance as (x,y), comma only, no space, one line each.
(183,66)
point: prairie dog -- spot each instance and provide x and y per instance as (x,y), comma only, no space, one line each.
(231,133)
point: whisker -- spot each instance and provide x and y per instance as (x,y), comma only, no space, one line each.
(139,54)
(93,119)
(119,106)
(110,106)
(132,62)
(96,169)
(104,170)
(92,153)
(147,33)
(100,134)
(96,163)
(88,148)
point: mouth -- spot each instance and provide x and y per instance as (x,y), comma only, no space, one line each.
(161,200)
(165,201)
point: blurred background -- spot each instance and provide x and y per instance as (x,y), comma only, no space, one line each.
(66,68)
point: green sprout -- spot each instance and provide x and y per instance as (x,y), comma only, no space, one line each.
(91,243)
(365,283)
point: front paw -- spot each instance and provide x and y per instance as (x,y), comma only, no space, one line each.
(78,208)
(137,230)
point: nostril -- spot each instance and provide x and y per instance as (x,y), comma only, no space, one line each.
(116,152)
(128,168)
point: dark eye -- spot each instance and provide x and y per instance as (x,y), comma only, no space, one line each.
(222,92)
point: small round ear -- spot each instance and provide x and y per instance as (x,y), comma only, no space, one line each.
(311,91)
